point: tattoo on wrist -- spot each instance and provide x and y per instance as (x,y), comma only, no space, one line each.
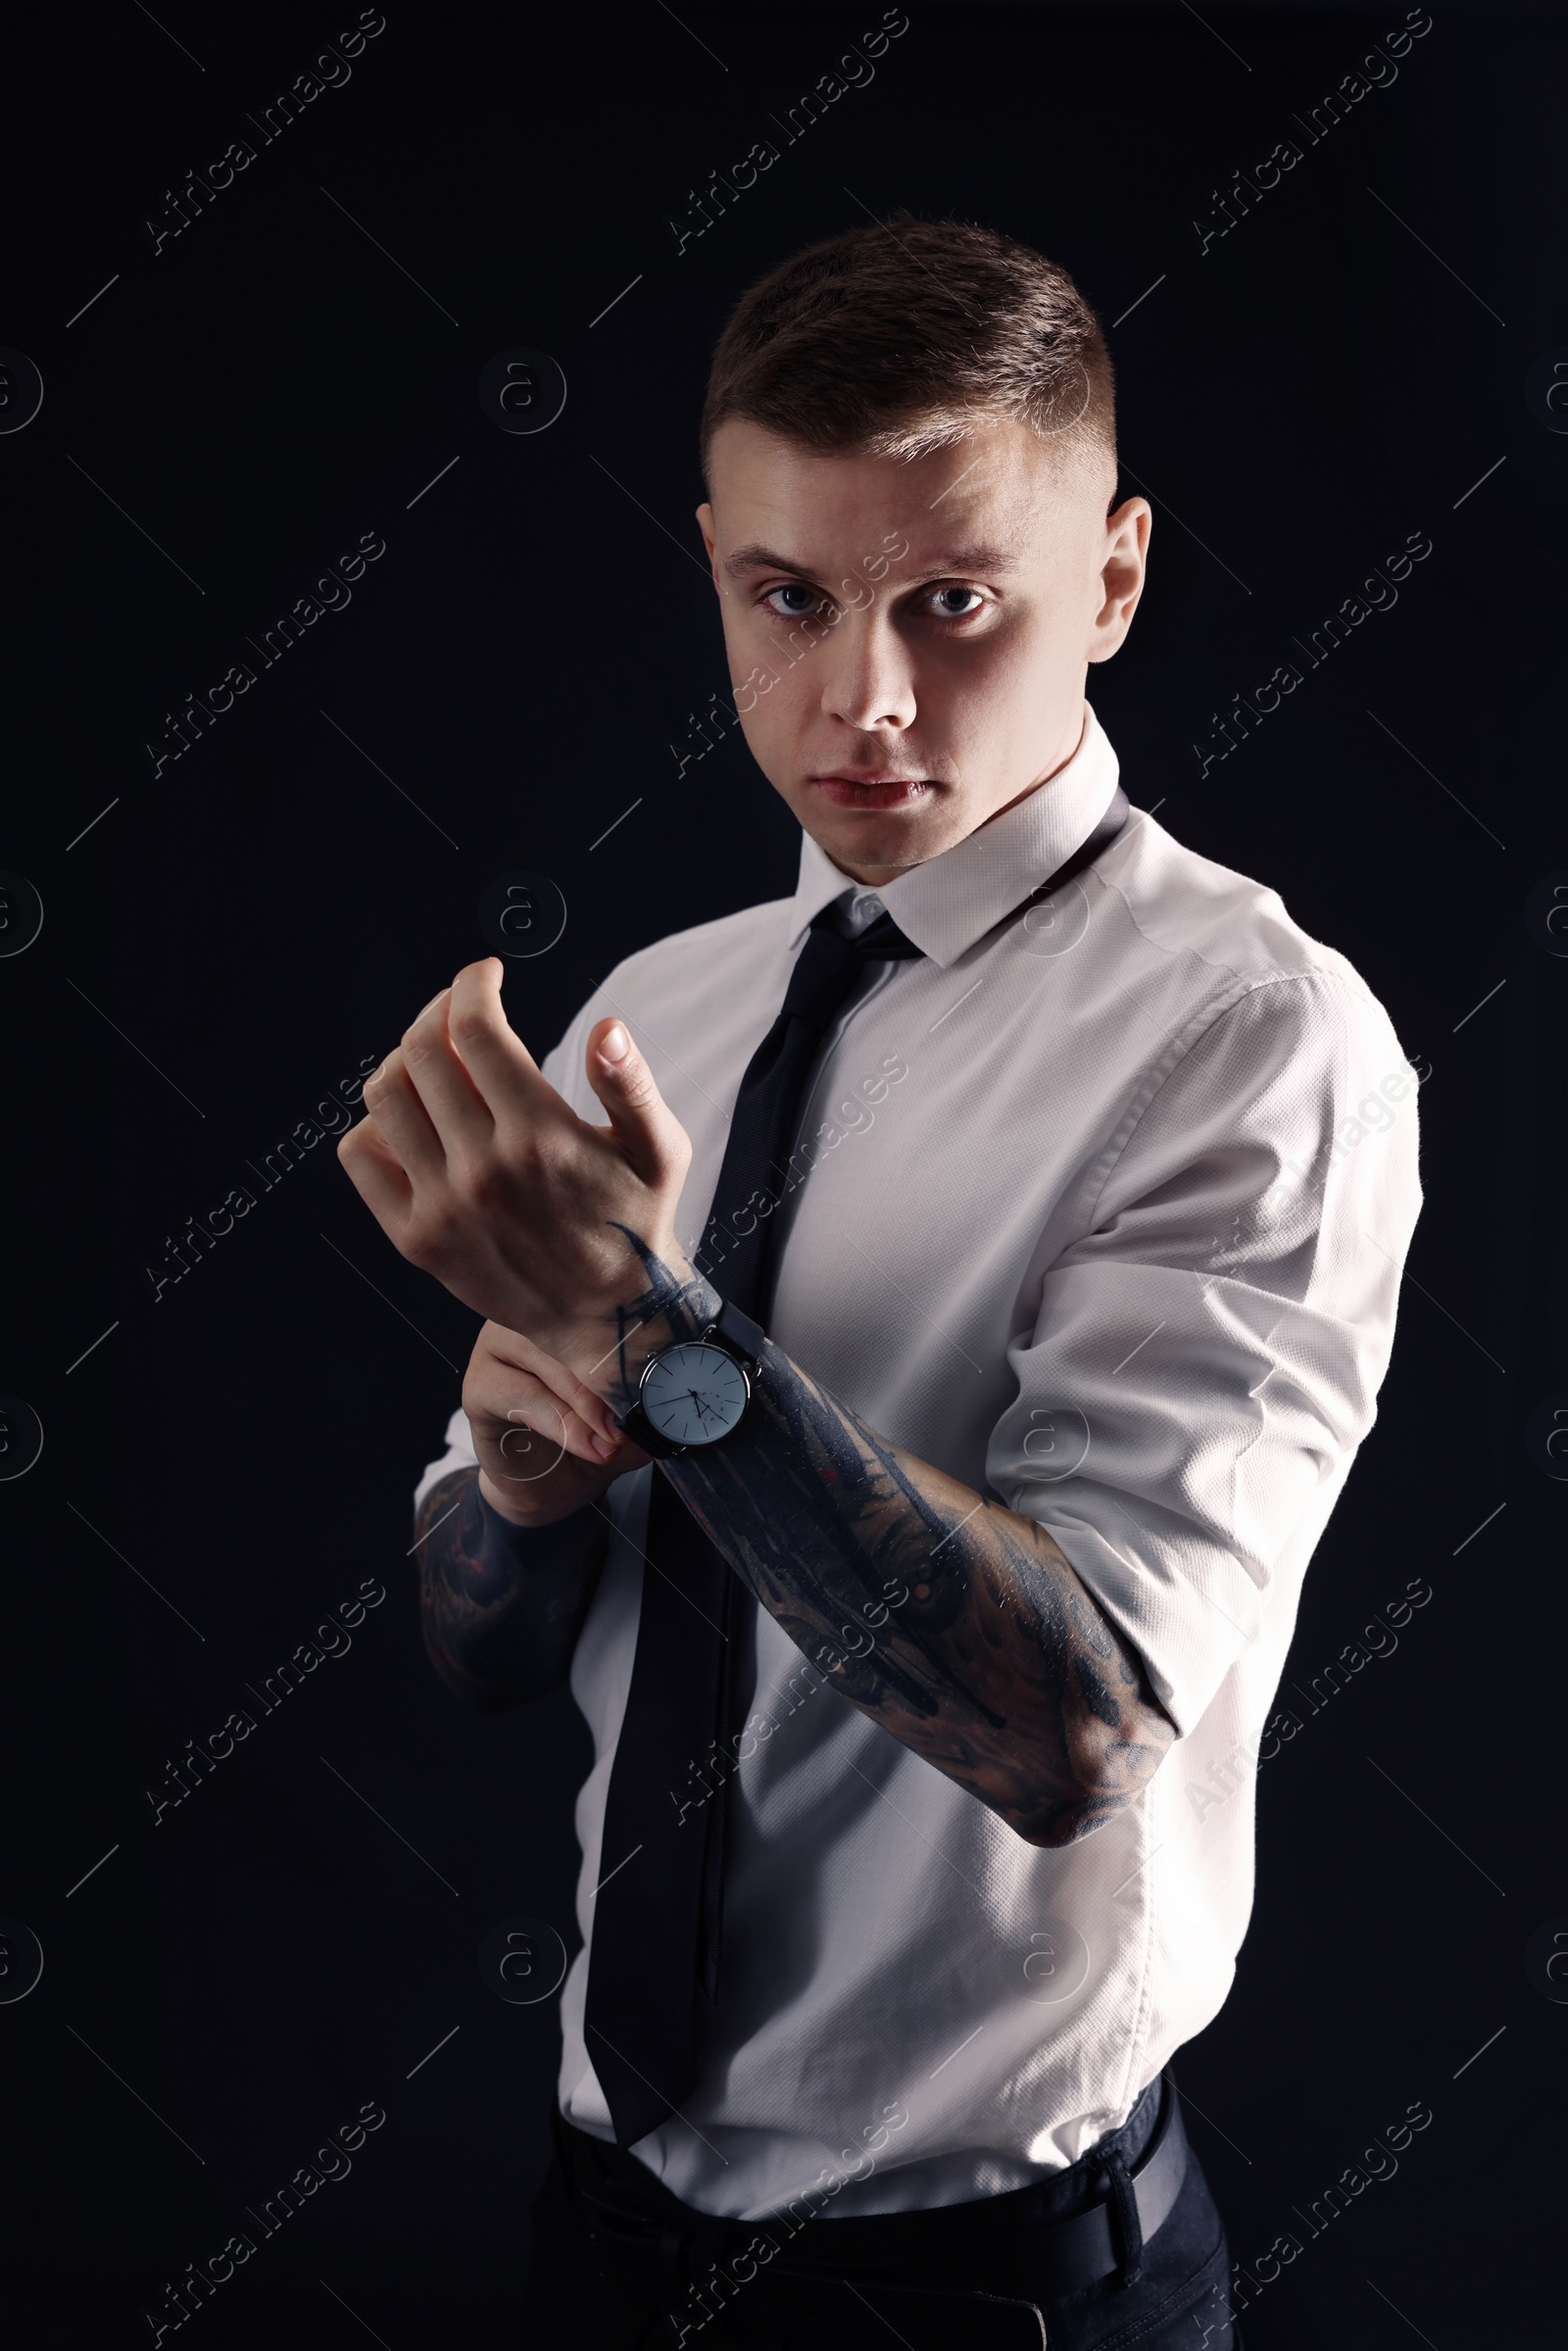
(667,1310)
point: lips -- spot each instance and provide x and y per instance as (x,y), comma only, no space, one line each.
(849,790)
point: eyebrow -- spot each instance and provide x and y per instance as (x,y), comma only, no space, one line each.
(958,558)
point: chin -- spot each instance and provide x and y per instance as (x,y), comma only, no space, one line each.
(873,844)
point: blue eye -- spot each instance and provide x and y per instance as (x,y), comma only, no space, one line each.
(791,612)
(946,610)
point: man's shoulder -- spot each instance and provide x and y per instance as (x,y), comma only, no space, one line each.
(1228,933)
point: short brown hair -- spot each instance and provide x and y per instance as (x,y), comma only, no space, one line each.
(894,338)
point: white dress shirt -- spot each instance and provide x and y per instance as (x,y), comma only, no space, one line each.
(1106,1205)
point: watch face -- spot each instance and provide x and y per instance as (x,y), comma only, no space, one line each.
(694,1393)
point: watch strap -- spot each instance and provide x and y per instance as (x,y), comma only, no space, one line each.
(739,1333)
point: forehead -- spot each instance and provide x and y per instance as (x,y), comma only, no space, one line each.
(996,491)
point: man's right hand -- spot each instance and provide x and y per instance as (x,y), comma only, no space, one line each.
(547,1444)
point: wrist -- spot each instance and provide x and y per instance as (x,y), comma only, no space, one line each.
(506,1508)
(664,1301)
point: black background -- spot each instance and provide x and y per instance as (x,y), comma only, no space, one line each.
(247,926)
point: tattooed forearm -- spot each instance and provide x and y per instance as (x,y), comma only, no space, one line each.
(502,1607)
(956,1621)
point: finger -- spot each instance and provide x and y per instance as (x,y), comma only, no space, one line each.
(494,1055)
(402,1119)
(561,1427)
(540,1431)
(511,1348)
(447,1095)
(377,1176)
(531,1405)
(530,1448)
(654,1141)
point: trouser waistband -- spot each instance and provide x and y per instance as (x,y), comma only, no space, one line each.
(1065,2232)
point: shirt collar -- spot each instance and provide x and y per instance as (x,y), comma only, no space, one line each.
(952,899)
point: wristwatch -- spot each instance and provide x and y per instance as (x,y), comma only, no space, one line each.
(698,1391)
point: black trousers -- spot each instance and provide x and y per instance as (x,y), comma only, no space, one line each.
(622,2264)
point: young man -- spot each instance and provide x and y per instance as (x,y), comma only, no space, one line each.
(924,1546)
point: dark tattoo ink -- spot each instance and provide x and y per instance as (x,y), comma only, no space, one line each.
(502,1607)
(997,1667)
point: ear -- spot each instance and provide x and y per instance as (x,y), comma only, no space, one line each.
(708,530)
(1120,576)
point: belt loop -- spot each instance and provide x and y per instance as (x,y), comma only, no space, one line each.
(1127,2228)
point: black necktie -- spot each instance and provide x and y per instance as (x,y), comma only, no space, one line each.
(654,1932)
(656,1916)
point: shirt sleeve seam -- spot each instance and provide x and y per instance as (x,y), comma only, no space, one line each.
(1177,1053)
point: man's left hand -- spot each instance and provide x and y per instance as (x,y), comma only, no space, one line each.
(479,1173)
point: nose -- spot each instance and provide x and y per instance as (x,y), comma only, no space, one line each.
(868,675)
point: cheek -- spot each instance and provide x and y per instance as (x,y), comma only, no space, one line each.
(1034,676)
(770,732)
(747,628)
(784,712)
(975,702)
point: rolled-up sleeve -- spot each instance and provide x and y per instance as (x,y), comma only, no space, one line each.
(1205,1361)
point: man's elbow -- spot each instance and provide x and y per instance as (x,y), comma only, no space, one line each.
(1107,1781)
(1065,1824)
